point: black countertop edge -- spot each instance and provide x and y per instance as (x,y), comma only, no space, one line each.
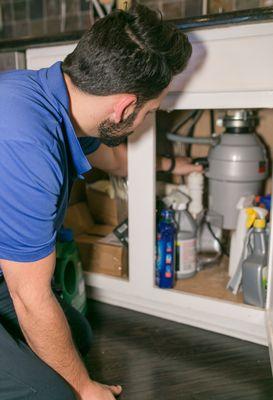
(26,42)
(186,24)
(234,17)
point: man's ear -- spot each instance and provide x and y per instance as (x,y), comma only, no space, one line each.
(124,107)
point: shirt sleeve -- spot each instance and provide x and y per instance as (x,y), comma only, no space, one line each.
(89,144)
(31,179)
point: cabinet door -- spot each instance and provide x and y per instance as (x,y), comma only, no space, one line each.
(269,305)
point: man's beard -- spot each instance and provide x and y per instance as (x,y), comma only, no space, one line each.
(109,131)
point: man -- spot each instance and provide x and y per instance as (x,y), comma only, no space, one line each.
(50,120)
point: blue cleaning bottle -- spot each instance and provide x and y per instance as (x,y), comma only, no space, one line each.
(165,264)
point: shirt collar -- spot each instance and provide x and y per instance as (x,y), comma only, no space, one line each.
(54,81)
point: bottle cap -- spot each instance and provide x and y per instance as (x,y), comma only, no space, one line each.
(167,213)
(65,235)
(260,224)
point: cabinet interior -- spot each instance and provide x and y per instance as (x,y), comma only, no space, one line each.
(212,280)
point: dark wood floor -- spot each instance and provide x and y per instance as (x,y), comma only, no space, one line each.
(154,359)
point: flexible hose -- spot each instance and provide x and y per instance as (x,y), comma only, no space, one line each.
(184,121)
(191,140)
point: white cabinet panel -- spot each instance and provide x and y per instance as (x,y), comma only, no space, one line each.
(230,67)
(269,303)
(227,58)
(44,57)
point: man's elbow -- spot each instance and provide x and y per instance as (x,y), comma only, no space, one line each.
(120,172)
(30,300)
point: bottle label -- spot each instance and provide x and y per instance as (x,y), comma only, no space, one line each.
(165,260)
(169,247)
(186,255)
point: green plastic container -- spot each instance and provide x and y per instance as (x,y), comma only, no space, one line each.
(68,272)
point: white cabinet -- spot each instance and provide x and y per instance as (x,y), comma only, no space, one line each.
(43,57)
(231,68)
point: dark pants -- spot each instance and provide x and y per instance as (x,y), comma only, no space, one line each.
(23,376)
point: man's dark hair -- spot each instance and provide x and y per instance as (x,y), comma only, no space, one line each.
(128,52)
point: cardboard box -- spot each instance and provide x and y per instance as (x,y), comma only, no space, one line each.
(100,230)
(102,208)
(79,219)
(101,257)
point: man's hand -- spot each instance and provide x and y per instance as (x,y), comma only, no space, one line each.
(97,391)
(115,161)
(183,165)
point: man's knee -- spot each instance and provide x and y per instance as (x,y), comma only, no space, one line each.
(64,392)
(57,390)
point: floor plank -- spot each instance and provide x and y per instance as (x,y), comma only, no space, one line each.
(155,359)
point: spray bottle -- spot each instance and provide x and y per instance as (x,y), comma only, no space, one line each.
(246,213)
(186,255)
(165,264)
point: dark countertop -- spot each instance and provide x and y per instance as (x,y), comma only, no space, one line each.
(188,24)
(254,15)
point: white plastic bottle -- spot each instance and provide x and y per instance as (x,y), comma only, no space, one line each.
(186,254)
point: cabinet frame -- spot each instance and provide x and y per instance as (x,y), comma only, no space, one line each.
(247,85)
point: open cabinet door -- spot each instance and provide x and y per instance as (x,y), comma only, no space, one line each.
(269,327)
(269,303)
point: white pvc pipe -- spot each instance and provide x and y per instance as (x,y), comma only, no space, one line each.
(98,8)
(196,190)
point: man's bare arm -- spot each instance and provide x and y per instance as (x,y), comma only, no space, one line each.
(44,324)
(111,160)
(115,162)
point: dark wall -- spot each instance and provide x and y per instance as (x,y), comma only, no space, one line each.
(43,17)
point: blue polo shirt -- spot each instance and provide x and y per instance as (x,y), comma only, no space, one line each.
(40,156)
